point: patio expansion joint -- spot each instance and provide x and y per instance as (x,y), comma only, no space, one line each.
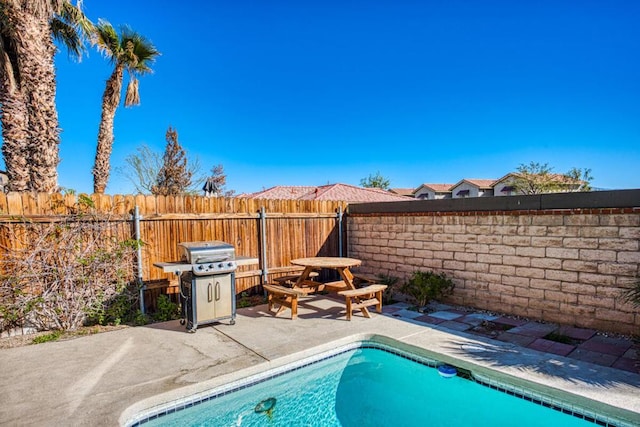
(262,356)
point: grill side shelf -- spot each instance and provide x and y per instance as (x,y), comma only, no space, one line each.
(173,267)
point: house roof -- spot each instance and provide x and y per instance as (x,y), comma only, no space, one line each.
(402,191)
(279,192)
(484,184)
(342,192)
(557,177)
(437,188)
(504,178)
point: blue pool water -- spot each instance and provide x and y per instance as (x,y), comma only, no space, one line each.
(367,387)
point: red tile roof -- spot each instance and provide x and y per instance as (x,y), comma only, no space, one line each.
(480,183)
(438,188)
(402,191)
(342,192)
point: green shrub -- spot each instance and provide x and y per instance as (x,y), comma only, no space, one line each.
(426,286)
(248,300)
(166,309)
(117,310)
(387,295)
(53,336)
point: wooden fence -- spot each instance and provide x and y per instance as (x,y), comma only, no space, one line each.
(289,228)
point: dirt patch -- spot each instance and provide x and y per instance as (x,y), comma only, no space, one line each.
(27,339)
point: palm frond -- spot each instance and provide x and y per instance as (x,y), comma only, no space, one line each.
(132,96)
(106,40)
(140,52)
(74,14)
(68,36)
(72,28)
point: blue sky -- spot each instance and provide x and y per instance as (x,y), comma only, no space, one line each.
(317,92)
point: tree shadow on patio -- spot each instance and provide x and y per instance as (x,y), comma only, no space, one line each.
(495,355)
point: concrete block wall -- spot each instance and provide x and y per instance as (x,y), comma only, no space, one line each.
(563,266)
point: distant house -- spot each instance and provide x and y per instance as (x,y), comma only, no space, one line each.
(433,191)
(408,192)
(343,192)
(505,186)
(4,181)
(472,188)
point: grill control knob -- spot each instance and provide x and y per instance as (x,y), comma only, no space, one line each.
(220,265)
(211,266)
(200,267)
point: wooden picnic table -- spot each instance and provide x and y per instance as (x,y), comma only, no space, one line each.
(340,264)
(356,299)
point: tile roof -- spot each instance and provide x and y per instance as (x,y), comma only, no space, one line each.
(557,177)
(438,188)
(402,191)
(342,192)
(279,192)
(480,183)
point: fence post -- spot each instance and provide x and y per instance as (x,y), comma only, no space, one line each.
(339,219)
(136,226)
(263,245)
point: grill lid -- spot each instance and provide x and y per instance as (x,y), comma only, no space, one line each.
(207,251)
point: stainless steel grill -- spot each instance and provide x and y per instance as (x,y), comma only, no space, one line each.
(207,282)
(206,258)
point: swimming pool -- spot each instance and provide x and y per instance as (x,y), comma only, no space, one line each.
(367,384)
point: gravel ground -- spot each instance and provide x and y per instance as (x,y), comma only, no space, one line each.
(27,339)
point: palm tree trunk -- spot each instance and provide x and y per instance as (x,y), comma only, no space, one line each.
(15,123)
(40,81)
(34,52)
(110,101)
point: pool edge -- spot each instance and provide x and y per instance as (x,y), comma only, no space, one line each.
(579,403)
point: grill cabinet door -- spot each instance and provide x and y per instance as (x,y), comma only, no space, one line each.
(214,297)
(223,295)
(205,298)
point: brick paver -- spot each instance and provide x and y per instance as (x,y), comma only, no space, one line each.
(608,345)
(593,357)
(534,329)
(549,346)
(576,333)
(429,319)
(587,345)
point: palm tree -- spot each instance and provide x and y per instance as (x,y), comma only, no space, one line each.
(28,86)
(129,52)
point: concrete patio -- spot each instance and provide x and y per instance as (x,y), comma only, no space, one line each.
(105,379)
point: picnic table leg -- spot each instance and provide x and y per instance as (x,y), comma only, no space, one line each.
(347,276)
(365,311)
(304,276)
(294,308)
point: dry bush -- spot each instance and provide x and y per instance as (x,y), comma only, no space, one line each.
(57,274)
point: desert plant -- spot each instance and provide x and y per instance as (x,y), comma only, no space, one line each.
(632,294)
(59,273)
(387,295)
(426,286)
